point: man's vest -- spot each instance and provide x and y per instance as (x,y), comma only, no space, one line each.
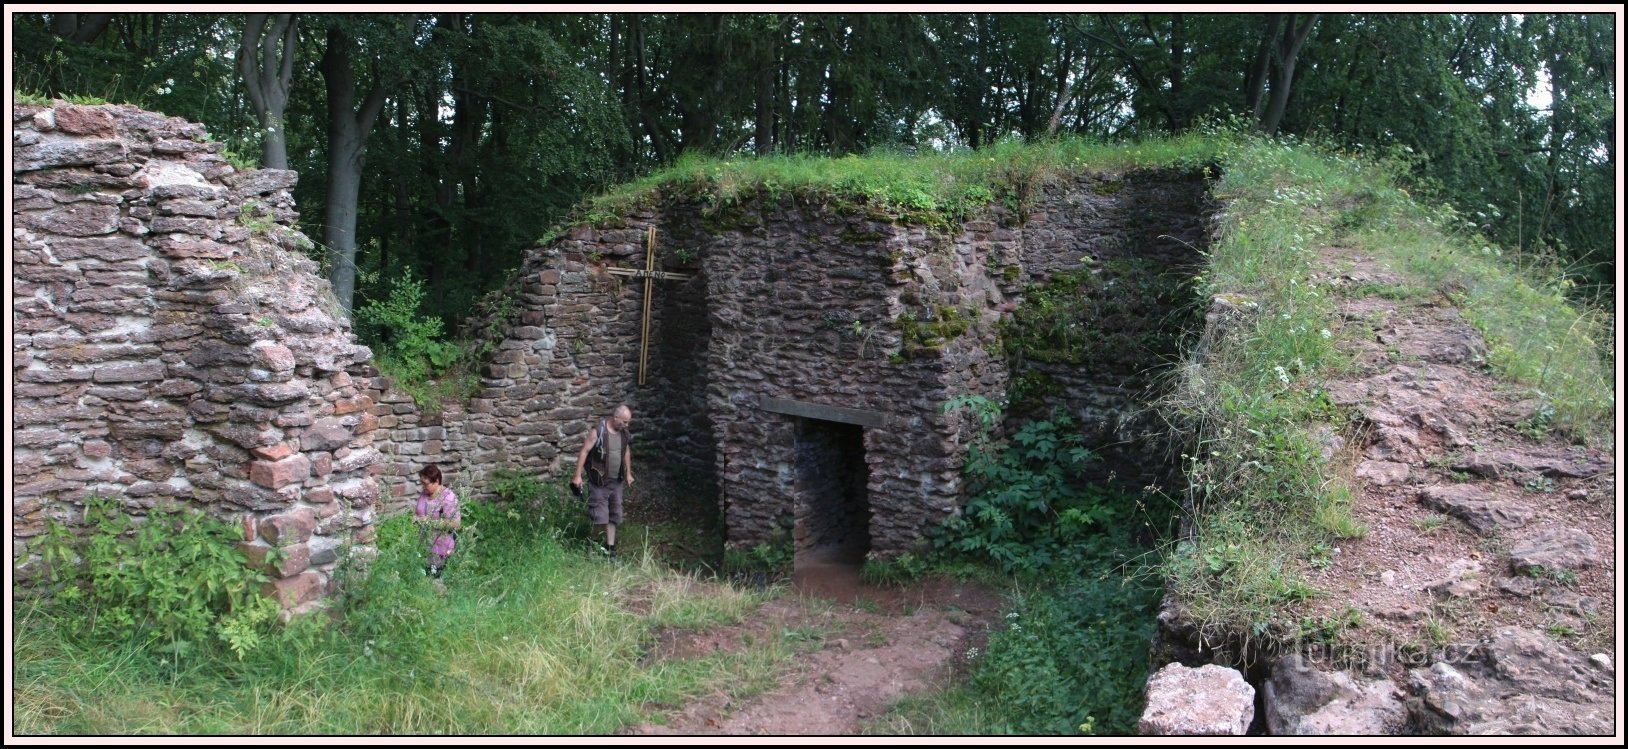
(598,457)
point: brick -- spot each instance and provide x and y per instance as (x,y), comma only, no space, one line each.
(274,452)
(272,356)
(130,373)
(289,528)
(274,474)
(292,560)
(293,591)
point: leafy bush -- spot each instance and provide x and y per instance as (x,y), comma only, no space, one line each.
(172,579)
(406,346)
(528,507)
(388,599)
(1028,502)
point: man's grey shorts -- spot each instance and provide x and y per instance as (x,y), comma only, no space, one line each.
(605,503)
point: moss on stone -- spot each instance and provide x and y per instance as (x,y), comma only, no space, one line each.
(852,234)
(929,337)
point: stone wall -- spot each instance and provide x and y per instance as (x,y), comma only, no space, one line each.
(804,308)
(568,354)
(1138,237)
(172,345)
(410,438)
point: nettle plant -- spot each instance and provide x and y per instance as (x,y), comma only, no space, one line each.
(172,579)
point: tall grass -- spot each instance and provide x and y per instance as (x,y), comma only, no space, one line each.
(526,638)
(1259,487)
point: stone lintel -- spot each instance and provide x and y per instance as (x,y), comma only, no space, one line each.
(821,411)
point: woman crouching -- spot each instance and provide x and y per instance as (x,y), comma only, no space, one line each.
(437,517)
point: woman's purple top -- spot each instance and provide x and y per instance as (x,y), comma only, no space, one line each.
(445,505)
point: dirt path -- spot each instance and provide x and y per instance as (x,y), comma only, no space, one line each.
(862,648)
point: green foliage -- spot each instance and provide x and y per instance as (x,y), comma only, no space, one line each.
(387,600)
(1264,497)
(30,98)
(526,501)
(407,346)
(173,581)
(515,486)
(1072,660)
(517,638)
(1027,504)
(1559,575)
(774,559)
(931,189)
(1072,657)
(254,216)
(899,571)
(922,336)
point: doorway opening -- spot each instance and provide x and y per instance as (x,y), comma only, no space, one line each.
(833,515)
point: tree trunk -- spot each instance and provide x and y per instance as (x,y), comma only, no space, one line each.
(1255,85)
(763,134)
(658,142)
(1288,49)
(348,129)
(80,28)
(267,77)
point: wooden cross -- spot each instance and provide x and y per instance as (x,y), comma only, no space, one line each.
(648,274)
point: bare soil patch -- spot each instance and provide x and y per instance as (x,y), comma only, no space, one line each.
(857,656)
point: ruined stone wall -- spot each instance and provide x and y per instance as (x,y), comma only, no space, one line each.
(570,353)
(804,307)
(410,438)
(1138,237)
(675,455)
(171,345)
(565,359)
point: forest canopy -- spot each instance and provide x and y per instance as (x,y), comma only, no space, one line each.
(443,145)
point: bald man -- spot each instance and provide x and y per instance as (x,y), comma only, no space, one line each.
(608,456)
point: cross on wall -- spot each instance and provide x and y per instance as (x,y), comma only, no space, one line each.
(649,274)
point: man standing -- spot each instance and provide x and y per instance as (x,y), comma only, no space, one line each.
(608,457)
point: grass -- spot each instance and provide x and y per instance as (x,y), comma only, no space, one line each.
(1536,337)
(1429,524)
(531,638)
(934,188)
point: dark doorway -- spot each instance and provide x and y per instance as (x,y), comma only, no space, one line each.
(833,511)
